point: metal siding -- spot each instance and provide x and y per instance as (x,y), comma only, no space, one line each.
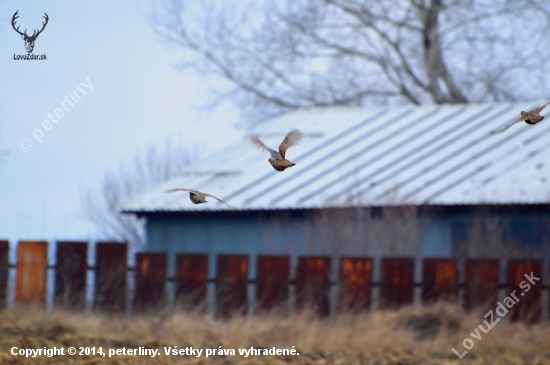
(529,306)
(70,274)
(355,284)
(250,235)
(481,283)
(233,235)
(263,235)
(280,235)
(191,280)
(272,282)
(313,284)
(4,262)
(155,226)
(151,275)
(110,282)
(435,239)
(397,282)
(174,235)
(31,278)
(231,285)
(191,234)
(439,280)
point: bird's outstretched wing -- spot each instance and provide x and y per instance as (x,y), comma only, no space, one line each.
(539,109)
(212,196)
(178,189)
(260,145)
(292,139)
(521,119)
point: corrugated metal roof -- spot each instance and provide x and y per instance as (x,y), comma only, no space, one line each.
(438,155)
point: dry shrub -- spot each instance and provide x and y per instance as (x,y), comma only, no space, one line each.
(423,335)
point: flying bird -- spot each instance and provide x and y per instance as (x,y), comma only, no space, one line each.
(278,160)
(196,196)
(532,117)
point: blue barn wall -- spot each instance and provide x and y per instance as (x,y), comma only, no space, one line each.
(527,224)
(224,234)
(435,240)
(254,233)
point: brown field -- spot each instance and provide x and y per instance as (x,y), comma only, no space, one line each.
(409,336)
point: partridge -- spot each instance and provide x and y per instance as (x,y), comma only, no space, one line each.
(532,117)
(278,160)
(196,196)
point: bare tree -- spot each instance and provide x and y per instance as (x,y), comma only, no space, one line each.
(488,235)
(365,231)
(276,56)
(102,207)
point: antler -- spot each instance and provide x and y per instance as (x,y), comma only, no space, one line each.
(15,16)
(43,26)
(34,34)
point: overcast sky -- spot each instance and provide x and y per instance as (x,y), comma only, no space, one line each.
(139,98)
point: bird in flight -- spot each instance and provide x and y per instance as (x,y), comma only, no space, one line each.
(532,117)
(196,196)
(278,160)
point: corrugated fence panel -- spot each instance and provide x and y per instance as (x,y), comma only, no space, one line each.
(191,279)
(151,275)
(481,283)
(273,273)
(110,280)
(231,284)
(397,282)
(31,277)
(439,280)
(4,251)
(313,284)
(355,284)
(525,304)
(70,274)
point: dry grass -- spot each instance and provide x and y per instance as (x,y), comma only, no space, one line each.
(408,336)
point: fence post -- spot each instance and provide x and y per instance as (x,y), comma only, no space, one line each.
(191,280)
(151,273)
(481,286)
(110,276)
(4,262)
(355,284)
(313,284)
(231,285)
(31,277)
(439,280)
(397,282)
(272,276)
(520,274)
(70,275)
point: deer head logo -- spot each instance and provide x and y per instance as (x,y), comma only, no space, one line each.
(29,40)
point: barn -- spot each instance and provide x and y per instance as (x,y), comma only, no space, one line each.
(415,181)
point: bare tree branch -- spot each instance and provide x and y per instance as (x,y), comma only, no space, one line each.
(102,207)
(270,57)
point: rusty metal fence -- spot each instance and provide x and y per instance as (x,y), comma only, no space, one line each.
(191,280)
(30,282)
(278,285)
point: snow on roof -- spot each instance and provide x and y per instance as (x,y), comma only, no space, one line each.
(435,154)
